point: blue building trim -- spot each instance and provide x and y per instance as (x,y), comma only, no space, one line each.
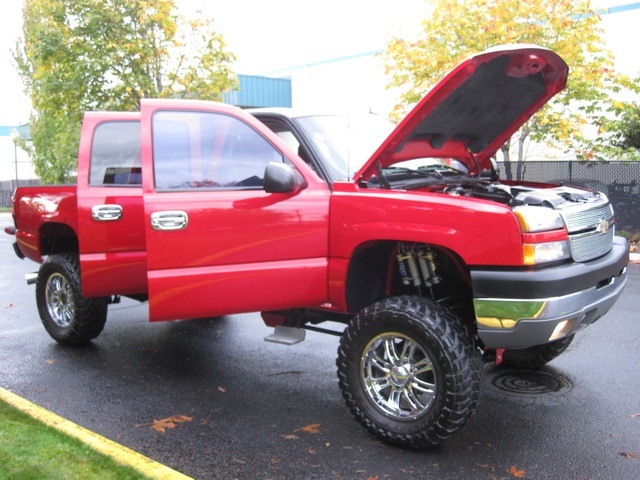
(23,130)
(256,91)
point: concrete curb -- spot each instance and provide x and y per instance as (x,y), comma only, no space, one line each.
(117,452)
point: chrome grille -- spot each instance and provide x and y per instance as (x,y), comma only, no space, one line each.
(582,219)
(590,245)
(590,231)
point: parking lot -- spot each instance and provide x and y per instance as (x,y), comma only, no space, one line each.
(244,408)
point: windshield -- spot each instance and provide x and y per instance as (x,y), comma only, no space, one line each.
(345,142)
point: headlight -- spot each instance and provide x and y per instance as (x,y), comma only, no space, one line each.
(538,219)
(544,235)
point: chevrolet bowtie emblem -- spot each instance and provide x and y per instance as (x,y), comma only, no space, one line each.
(603,226)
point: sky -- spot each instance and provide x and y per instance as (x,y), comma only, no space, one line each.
(266,36)
(272,35)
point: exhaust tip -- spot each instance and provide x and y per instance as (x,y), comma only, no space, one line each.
(31,278)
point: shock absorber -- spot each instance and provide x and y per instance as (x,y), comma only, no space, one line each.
(408,266)
(426,259)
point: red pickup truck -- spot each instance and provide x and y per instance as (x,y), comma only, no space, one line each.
(431,262)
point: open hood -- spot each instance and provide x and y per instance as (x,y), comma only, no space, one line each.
(474,110)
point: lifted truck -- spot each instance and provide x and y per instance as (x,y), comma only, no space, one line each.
(431,262)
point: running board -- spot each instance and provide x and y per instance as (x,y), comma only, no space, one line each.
(286,335)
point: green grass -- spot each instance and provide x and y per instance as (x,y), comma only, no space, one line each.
(32,450)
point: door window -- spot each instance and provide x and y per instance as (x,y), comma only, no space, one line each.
(115,155)
(194,150)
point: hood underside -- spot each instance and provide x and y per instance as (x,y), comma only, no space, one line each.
(474,110)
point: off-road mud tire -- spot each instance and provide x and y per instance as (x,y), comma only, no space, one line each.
(67,316)
(458,370)
(533,358)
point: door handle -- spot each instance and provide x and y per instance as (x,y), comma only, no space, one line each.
(106,213)
(169,220)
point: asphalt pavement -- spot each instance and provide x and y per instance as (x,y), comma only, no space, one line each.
(234,406)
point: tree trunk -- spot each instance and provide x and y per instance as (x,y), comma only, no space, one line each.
(506,156)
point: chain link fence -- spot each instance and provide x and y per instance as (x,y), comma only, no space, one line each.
(619,180)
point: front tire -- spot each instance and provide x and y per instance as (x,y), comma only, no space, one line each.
(69,318)
(409,371)
(533,358)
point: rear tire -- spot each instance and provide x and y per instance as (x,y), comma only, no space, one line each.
(533,358)
(409,371)
(67,316)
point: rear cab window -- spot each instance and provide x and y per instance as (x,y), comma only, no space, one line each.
(115,155)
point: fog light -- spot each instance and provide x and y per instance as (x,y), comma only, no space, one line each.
(563,329)
(545,252)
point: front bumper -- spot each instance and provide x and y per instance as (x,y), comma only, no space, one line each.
(524,308)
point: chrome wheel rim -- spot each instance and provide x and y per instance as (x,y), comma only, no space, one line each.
(59,298)
(398,376)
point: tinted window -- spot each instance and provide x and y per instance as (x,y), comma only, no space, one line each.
(208,150)
(115,154)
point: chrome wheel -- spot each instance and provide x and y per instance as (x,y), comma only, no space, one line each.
(59,300)
(398,376)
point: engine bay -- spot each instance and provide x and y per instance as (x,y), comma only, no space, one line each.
(555,197)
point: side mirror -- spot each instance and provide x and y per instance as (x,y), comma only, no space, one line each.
(281,178)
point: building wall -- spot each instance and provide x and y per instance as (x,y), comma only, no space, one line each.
(14,162)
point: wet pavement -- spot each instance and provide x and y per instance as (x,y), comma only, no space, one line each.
(244,408)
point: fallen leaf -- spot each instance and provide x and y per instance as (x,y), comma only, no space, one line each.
(515,472)
(312,428)
(222,390)
(629,455)
(169,422)
(50,361)
(291,437)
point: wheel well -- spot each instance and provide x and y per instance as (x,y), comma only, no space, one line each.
(57,238)
(375,273)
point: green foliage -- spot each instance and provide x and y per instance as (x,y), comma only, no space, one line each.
(78,55)
(571,28)
(626,132)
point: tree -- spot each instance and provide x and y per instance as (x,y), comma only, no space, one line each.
(78,55)
(626,132)
(571,28)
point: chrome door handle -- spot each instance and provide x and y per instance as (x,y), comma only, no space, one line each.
(106,213)
(169,220)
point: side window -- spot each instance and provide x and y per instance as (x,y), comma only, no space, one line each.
(208,150)
(285,134)
(115,154)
